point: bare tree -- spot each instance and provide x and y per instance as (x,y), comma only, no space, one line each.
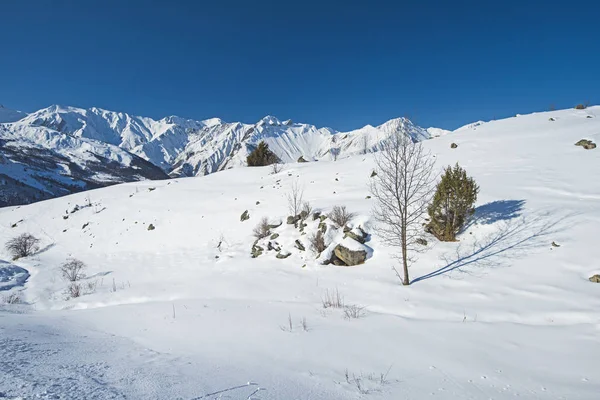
(295,200)
(403,188)
(22,246)
(72,270)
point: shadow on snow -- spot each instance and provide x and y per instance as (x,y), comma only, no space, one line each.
(514,237)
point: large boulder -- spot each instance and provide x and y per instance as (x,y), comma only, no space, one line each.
(595,278)
(301,160)
(351,252)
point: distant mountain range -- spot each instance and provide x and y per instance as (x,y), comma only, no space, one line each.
(60,150)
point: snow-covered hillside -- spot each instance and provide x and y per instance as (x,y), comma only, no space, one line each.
(184,311)
(38,163)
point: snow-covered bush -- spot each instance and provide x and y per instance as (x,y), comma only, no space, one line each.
(23,245)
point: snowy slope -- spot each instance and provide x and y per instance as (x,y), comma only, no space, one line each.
(499,314)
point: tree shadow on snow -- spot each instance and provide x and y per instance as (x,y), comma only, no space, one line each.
(499,210)
(514,238)
(44,249)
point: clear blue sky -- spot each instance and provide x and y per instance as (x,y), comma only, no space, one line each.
(341,64)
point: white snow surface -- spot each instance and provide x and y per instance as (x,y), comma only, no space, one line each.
(499,314)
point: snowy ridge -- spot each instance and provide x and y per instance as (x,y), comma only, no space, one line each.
(183,147)
(178,146)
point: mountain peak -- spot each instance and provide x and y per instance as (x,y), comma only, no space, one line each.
(269,120)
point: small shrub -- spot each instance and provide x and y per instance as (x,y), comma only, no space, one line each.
(354,311)
(13,298)
(72,270)
(304,324)
(580,107)
(317,242)
(340,216)
(452,204)
(332,299)
(289,327)
(306,210)
(23,245)
(90,287)
(261,156)
(263,229)
(74,290)
(276,168)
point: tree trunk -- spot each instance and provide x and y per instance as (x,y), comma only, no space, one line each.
(406,280)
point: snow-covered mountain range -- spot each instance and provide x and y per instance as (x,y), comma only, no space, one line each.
(60,150)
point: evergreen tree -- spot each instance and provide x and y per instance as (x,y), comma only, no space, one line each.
(261,156)
(452,203)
